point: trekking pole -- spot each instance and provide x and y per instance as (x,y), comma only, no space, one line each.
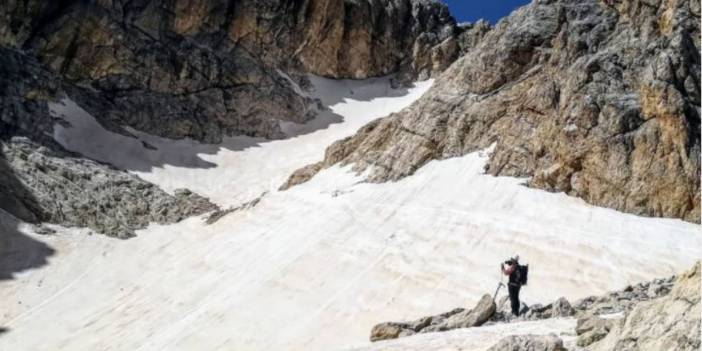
(499,285)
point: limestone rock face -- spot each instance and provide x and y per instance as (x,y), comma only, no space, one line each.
(74,191)
(205,69)
(597,99)
(200,69)
(529,343)
(42,182)
(668,323)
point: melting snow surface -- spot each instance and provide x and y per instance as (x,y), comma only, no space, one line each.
(240,168)
(315,267)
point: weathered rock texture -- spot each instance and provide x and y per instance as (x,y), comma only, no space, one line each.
(202,69)
(209,68)
(41,182)
(598,99)
(61,188)
(668,323)
(458,318)
(620,301)
(529,343)
(590,327)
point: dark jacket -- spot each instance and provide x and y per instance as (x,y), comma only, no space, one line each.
(515,278)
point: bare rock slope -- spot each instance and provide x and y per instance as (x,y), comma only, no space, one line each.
(210,68)
(669,323)
(42,182)
(201,69)
(663,314)
(487,312)
(598,99)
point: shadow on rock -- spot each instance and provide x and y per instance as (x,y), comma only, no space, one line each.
(129,149)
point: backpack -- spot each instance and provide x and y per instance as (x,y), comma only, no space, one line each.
(523,272)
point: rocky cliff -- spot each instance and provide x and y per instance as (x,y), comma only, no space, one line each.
(42,182)
(201,69)
(597,99)
(209,68)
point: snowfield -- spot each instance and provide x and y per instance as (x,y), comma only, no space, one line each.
(241,168)
(315,267)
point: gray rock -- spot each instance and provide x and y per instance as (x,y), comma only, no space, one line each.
(584,98)
(529,343)
(475,317)
(71,191)
(654,290)
(457,318)
(562,308)
(42,182)
(206,69)
(389,330)
(43,230)
(671,322)
(592,329)
(624,300)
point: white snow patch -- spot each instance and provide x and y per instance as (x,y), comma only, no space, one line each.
(315,267)
(240,168)
(616,315)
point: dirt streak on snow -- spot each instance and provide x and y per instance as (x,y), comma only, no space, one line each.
(317,266)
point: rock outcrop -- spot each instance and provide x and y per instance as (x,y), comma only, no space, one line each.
(73,191)
(597,99)
(205,69)
(42,182)
(529,343)
(202,69)
(620,301)
(458,318)
(590,327)
(668,323)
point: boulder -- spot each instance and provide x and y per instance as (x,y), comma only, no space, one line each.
(480,314)
(456,318)
(592,329)
(562,308)
(389,330)
(529,343)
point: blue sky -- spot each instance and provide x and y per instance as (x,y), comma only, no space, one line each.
(491,10)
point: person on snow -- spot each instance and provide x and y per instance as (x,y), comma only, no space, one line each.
(511,269)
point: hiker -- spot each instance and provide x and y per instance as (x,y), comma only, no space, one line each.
(511,268)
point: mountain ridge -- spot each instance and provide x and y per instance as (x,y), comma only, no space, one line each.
(595,100)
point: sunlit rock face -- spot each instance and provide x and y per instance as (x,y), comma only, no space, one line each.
(198,69)
(593,98)
(668,323)
(210,68)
